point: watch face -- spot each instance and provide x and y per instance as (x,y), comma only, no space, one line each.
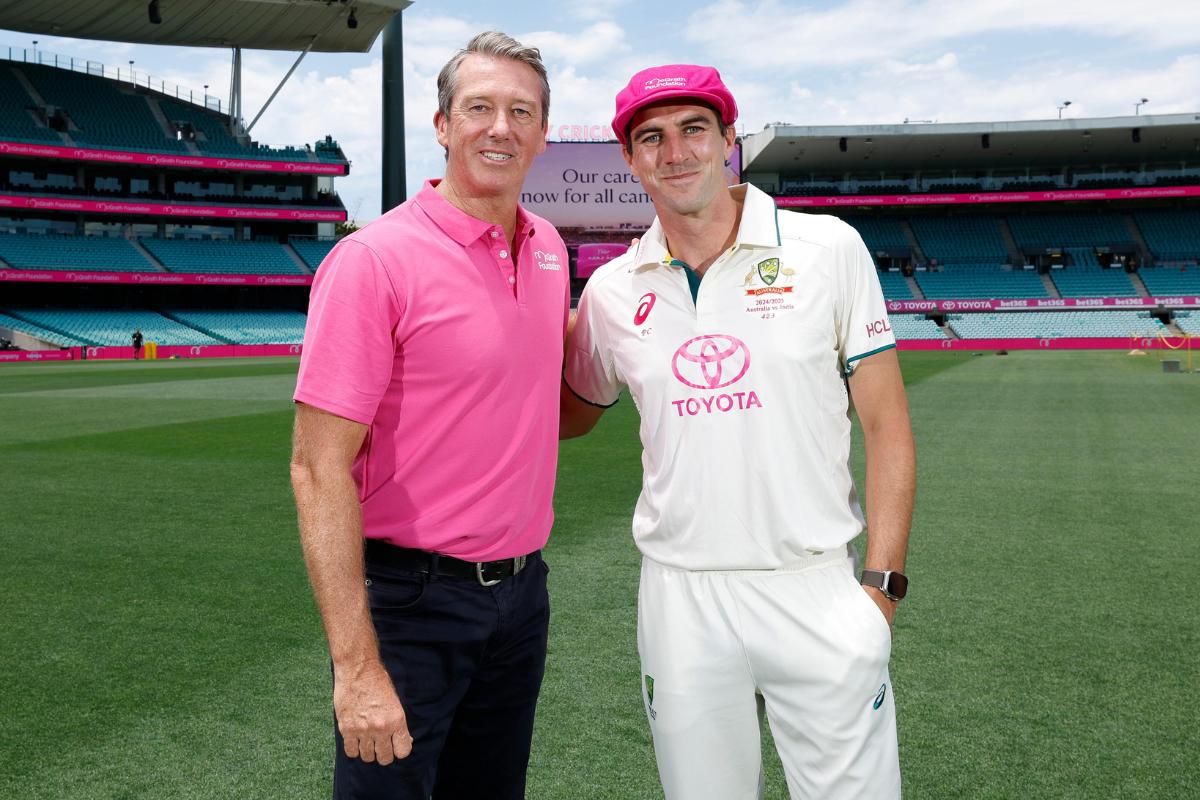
(897,584)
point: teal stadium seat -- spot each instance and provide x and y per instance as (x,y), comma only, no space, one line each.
(1171,235)
(894,286)
(1054,324)
(914,326)
(961,240)
(982,281)
(114,328)
(223,256)
(1188,322)
(246,327)
(1084,277)
(105,113)
(313,251)
(16,121)
(1035,232)
(880,233)
(56,338)
(84,253)
(1166,281)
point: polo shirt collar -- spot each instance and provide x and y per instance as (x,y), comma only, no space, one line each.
(758,228)
(458,224)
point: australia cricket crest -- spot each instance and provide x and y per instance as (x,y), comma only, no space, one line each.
(768,270)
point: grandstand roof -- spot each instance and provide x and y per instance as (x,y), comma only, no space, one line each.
(801,148)
(256,24)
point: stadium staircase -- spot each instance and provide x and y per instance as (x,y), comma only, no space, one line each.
(1014,253)
(1139,285)
(301,264)
(914,287)
(1139,241)
(918,253)
(1051,289)
(146,254)
(165,125)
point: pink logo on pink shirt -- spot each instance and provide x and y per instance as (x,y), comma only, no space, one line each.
(712,361)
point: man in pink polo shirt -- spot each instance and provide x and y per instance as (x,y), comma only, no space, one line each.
(425,452)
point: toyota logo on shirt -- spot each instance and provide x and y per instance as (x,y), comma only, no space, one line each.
(712,361)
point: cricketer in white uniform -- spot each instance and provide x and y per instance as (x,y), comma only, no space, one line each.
(738,328)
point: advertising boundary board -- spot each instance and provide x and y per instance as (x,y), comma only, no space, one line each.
(1055,196)
(155,209)
(172,160)
(275,350)
(152,278)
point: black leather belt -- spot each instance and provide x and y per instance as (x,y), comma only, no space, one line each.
(488,573)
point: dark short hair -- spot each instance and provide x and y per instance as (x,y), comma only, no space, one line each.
(500,45)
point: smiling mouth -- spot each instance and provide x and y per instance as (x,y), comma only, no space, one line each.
(499,157)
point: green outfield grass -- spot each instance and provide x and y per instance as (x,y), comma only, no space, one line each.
(160,641)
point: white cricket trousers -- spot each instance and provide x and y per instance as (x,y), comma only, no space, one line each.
(808,640)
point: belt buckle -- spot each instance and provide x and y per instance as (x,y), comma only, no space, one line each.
(479,576)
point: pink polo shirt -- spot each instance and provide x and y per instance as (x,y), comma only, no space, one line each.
(421,327)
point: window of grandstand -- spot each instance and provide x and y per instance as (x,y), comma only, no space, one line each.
(171,231)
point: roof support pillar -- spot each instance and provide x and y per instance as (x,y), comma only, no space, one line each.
(394,178)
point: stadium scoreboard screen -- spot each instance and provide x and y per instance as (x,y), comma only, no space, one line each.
(588,185)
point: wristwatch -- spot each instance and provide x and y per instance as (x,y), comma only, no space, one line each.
(891,583)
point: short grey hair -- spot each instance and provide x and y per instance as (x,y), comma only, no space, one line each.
(499,45)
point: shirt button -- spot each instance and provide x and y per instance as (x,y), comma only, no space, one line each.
(495,234)
(504,254)
(511,280)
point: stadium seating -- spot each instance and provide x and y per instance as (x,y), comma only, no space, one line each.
(40,332)
(246,327)
(1084,277)
(1171,235)
(105,115)
(313,251)
(226,256)
(216,138)
(87,253)
(115,327)
(961,239)
(880,233)
(980,281)
(1053,324)
(894,286)
(1069,229)
(915,326)
(16,122)
(1164,281)
(1189,323)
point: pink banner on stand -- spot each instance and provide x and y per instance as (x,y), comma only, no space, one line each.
(594,256)
(37,355)
(198,351)
(173,160)
(169,209)
(1108,303)
(157,278)
(1074,343)
(1056,196)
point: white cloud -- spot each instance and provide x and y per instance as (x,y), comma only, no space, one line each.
(599,42)
(786,35)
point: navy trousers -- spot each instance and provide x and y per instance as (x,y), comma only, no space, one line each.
(467,662)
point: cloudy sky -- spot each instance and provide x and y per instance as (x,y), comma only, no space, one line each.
(863,61)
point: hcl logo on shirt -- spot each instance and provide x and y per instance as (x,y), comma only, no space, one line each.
(877,327)
(709,362)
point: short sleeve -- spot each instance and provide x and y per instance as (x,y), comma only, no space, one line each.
(589,371)
(860,312)
(349,340)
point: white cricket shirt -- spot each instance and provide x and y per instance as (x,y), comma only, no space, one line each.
(740,381)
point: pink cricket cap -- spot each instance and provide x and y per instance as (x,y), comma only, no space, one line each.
(673,80)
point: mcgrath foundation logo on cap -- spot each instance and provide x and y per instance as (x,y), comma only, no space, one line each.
(658,83)
(712,361)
